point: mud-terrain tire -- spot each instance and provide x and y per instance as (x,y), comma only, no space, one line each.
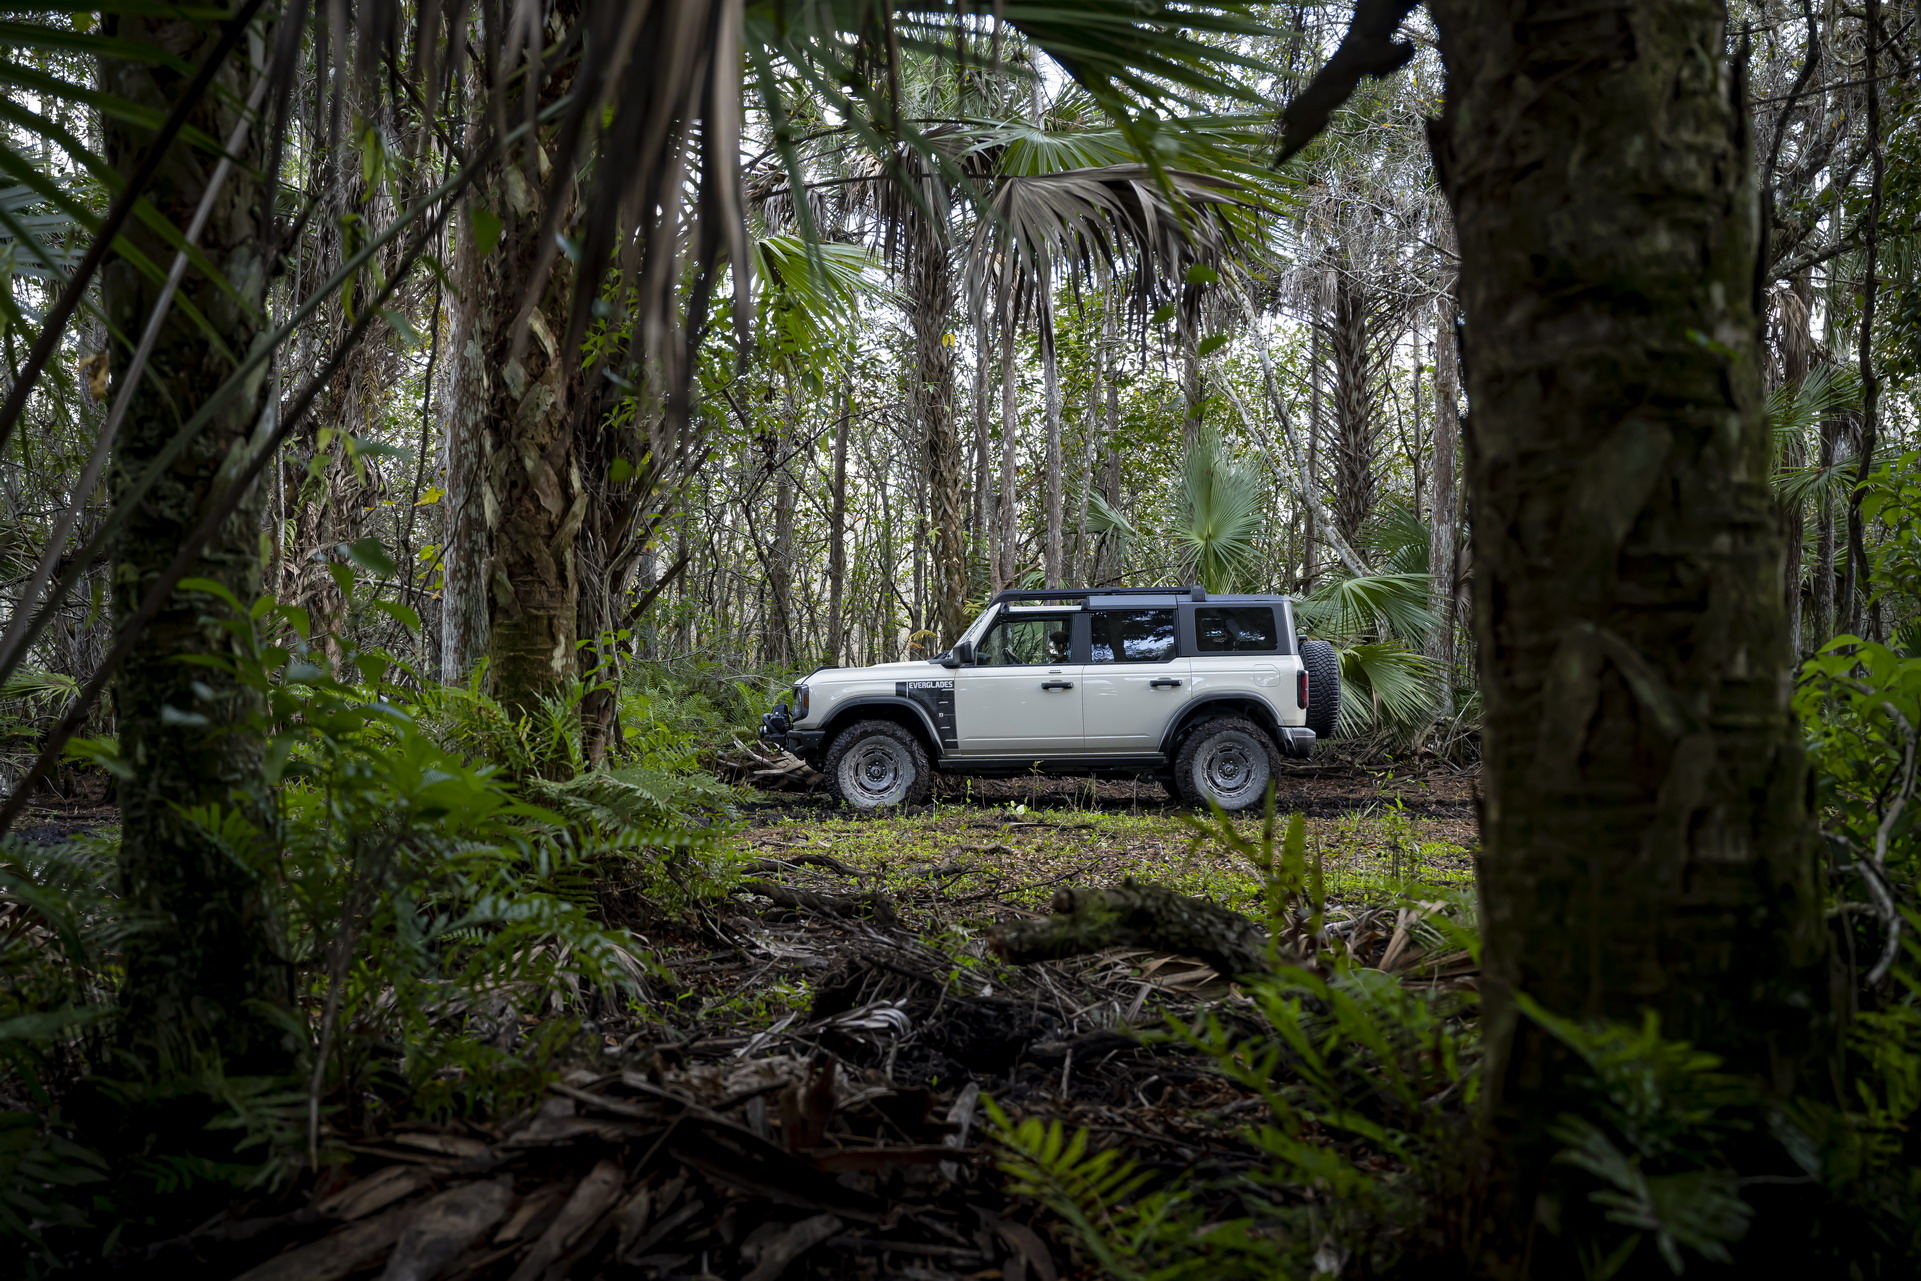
(1227,761)
(1323,666)
(876,765)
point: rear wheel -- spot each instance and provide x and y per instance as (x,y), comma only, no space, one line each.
(1323,665)
(1227,762)
(875,765)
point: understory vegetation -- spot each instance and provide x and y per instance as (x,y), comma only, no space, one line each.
(432,435)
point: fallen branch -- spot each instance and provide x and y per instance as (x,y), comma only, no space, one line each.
(1136,915)
(828,861)
(873,906)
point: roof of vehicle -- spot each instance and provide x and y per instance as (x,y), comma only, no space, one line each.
(1112,596)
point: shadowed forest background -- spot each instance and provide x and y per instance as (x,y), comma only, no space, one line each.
(435,432)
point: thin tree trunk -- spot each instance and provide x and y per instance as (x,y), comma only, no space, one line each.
(1310,557)
(1090,447)
(837,530)
(986,505)
(1647,846)
(1009,573)
(1443,505)
(201,972)
(1056,491)
(1854,591)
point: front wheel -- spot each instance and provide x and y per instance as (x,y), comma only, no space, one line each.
(1226,762)
(875,765)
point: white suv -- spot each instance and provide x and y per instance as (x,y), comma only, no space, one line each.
(1203,692)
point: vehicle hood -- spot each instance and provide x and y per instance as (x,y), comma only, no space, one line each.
(915,668)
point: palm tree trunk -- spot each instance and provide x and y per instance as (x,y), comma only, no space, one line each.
(1647,846)
(933,293)
(1311,553)
(1354,426)
(1443,503)
(1056,491)
(837,530)
(1009,571)
(986,504)
(514,479)
(202,974)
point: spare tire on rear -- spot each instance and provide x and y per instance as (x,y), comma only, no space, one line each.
(1323,666)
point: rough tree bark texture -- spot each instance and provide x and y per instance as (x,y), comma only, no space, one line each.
(932,282)
(200,961)
(1646,841)
(1444,504)
(513,479)
(1354,426)
(1051,392)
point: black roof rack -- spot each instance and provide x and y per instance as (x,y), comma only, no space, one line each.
(1194,592)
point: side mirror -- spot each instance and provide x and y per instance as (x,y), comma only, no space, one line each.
(961,655)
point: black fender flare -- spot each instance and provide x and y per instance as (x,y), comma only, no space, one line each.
(1197,710)
(922,723)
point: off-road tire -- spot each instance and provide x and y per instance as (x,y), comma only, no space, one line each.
(876,765)
(1228,761)
(1323,666)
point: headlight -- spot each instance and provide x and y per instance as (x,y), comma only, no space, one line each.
(800,703)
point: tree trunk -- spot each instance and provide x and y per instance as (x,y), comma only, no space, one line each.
(1443,504)
(1009,573)
(1354,427)
(1646,839)
(837,531)
(1311,554)
(1056,492)
(514,481)
(986,507)
(933,294)
(201,969)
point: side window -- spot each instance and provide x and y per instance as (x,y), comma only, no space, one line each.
(1231,631)
(1133,636)
(1024,642)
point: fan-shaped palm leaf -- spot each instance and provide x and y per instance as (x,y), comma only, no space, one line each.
(1221,518)
(1385,685)
(1374,605)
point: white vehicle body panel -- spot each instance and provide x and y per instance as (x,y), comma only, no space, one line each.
(1127,707)
(1005,711)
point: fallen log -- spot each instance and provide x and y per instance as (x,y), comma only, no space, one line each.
(1136,915)
(875,907)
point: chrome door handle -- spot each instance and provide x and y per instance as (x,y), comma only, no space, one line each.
(1159,681)
(1057,684)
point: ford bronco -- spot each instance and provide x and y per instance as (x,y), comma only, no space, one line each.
(1203,692)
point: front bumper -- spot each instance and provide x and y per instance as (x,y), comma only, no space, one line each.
(776,730)
(1297,741)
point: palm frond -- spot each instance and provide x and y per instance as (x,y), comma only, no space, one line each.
(1371,606)
(1221,517)
(1384,685)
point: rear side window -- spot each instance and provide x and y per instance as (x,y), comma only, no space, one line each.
(1132,635)
(1235,631)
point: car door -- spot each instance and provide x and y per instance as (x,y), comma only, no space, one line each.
(1021,696)
(1134,683)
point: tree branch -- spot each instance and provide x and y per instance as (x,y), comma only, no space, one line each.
(1368,49)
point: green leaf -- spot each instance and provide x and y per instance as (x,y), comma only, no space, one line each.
(371,555)
(1201,274)
(402,614)
(486,227)
(621,470)
(1164,313)
(343,576)
(1208,346)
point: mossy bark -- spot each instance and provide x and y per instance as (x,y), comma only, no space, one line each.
(514,486)
(1647,844)
(201,964)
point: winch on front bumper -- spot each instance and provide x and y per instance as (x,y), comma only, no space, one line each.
(777,729)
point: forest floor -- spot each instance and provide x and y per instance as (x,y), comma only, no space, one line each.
(801,1092)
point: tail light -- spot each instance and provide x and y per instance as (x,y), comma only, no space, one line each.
(1300,688)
